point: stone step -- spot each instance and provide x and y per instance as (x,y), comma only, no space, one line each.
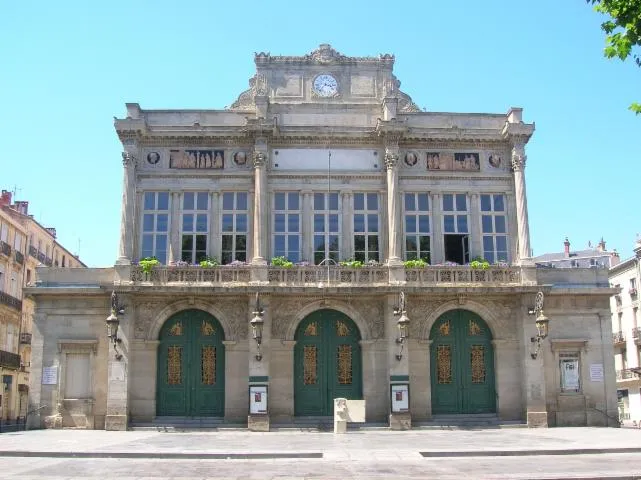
(463,421)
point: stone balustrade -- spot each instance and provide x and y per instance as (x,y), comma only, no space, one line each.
(333,275)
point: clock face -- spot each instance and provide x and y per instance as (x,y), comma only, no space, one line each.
(325,85)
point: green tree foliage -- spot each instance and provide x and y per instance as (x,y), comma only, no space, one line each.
(622,30)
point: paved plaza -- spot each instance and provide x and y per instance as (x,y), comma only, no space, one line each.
(297,454)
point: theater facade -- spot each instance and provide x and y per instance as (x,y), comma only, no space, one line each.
(322,238)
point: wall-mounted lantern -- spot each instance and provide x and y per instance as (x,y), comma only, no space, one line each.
(402,324)
(113,322)
(257,323)
(542,323)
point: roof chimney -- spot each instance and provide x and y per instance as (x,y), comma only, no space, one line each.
(567,247)
(22,207)
(601,246)
(5,198)
(52,231)
(614,258)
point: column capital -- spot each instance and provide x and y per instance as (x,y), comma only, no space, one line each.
(518,161)
(391,160)
(128,160)
(260,159)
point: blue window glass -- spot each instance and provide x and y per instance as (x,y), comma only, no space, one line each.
(372,201)
(487,223)
(448,223)
(499,222)
(148,222)
(228,222)
(461,223)
(188,201)
(241,201)
(163,201)
(292,200)
(424,223)
(228,201)
(461,202)
(201,222)
(333,201)
(319,223)
(162,222)
(279,222)
(486,203)
(410,203)
(188,222)
(410,223)
(423,202)
(448,202)
(499,205)
(319,201)
(359,201)
(333,222)
(150,201)
(202,201)
(359,222)
(241,222)
(292,222)
(372,222)
(279,201)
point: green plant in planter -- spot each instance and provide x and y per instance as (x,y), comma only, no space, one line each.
(480,263)
(351,263)
(209,262)
(417,263)
(148,263)
(281,262)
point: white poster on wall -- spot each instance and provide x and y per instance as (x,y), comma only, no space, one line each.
(596,372)
(257,399)
(400,398)
(50,375)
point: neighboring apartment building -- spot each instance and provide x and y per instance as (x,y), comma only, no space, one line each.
(598,257)
(323,159)
(24,245)
(626,335)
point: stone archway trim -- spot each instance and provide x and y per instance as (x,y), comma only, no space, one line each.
(342,307)
(186,304)
(481,310)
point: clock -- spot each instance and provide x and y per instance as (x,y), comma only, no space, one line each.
(325,85)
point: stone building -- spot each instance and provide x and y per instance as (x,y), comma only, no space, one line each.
(626,335)
(325,163)
(591,257)
(24,244)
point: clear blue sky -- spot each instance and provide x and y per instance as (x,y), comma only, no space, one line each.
(67,68)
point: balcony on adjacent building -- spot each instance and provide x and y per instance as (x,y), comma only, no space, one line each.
(33,251)
(9,360)
(636,334)
(5,248)
(48,261)
(618,338)
(626,374)
(41,257)
(10,301)
(338,276)
(25,338)
(19,257)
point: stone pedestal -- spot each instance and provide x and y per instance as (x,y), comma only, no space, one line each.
(537,419)
(340,426)
(116,422)
(400,421)
(258,423)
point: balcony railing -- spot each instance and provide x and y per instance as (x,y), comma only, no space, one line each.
(33,251)
(25,338)
(625,374)
(334,275)
(5,248)
(618,337)
(463,275)
(10,301)
(314,275)
(41,257)
(164,275)
(636,334)
(19,257)
(48,262)
(633,292)
(9,360)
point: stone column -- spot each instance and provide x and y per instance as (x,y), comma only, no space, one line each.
(175,227)
(307,237)
(260,209)
(127,209)
(437,247)
(518,165)
(118,373)
(346,226)
(214,226)
(393,207)
(476,233)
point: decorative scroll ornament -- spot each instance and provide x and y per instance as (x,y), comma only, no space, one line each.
(518,157)
(325,55)
(257,86)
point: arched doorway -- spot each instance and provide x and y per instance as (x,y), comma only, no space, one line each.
(327,363)
(191,366)
(462,364)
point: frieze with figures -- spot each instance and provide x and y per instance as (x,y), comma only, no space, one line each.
(197,159)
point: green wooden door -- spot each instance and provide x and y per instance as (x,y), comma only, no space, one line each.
(462,364)
(327,365)
(191,366)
